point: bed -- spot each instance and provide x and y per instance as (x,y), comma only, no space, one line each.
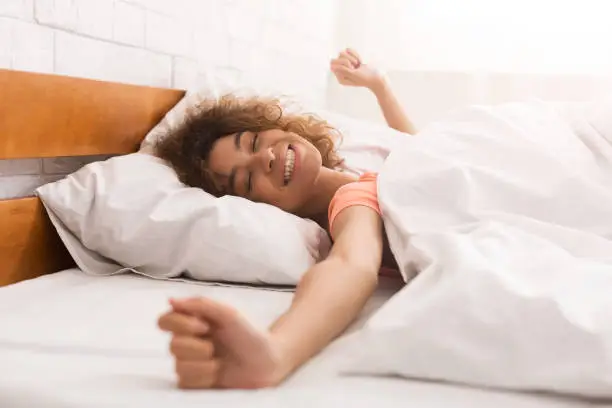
(64,344)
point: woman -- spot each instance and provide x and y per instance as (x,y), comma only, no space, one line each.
(252,149)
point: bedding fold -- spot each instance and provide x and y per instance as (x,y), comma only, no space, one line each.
(506,212)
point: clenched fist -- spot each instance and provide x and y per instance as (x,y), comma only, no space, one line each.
(215,347)
(349,70)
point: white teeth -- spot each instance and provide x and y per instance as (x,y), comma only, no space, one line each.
(289,163)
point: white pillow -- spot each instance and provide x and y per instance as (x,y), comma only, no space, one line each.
(173,118)
(132,212)
(125,212)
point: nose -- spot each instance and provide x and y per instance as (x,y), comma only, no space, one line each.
(265,159)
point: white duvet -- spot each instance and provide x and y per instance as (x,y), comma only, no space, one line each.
(501,220)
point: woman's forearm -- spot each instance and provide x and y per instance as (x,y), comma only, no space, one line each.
(329,297)
(391,108)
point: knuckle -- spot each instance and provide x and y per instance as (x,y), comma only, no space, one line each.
(215,366)
(209,349)
(233,314)
(176,345)
(186,383)
(199,302)
(193,326)
(191,384)
(162,322)
(192,377)
(183,369)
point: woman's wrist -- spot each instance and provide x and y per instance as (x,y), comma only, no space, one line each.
(380,87)
(286,358)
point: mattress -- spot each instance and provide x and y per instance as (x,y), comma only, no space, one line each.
(71,340)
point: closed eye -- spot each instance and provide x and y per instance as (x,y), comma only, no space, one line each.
(249,183)
(254,143)
(254,147)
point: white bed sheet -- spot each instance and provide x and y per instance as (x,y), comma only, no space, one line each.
(71,340)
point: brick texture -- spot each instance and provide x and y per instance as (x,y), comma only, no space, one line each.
(21,9)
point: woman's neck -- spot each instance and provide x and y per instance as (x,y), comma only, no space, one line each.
(327,184)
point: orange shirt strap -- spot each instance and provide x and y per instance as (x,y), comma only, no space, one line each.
(361,192)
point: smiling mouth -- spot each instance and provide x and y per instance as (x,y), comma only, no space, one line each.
(289,165)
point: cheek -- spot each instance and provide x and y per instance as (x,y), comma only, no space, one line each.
(312,161)
(264,192)
(285,199)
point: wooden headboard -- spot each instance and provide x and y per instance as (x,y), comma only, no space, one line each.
(48,116)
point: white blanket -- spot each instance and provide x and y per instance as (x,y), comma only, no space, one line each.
(506,212)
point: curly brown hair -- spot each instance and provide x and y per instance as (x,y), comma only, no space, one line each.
(187,147)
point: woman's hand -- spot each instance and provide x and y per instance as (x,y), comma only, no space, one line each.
(215,347)
(350,71)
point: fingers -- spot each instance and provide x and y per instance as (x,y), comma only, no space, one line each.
(189,320)
(206,309)
(342,73)
(354,54)
(182,324)
(191,348)
(341,62)
(345,65)
(197,374)
(349,57)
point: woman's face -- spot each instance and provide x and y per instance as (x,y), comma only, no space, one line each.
(273,166)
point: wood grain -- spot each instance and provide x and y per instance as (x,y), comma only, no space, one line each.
(29,244)
(48,115)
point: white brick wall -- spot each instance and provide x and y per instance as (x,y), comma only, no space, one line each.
(109,61)
(129,24)
(278,44)
(21,9)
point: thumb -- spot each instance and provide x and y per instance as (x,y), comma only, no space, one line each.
(207,309)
